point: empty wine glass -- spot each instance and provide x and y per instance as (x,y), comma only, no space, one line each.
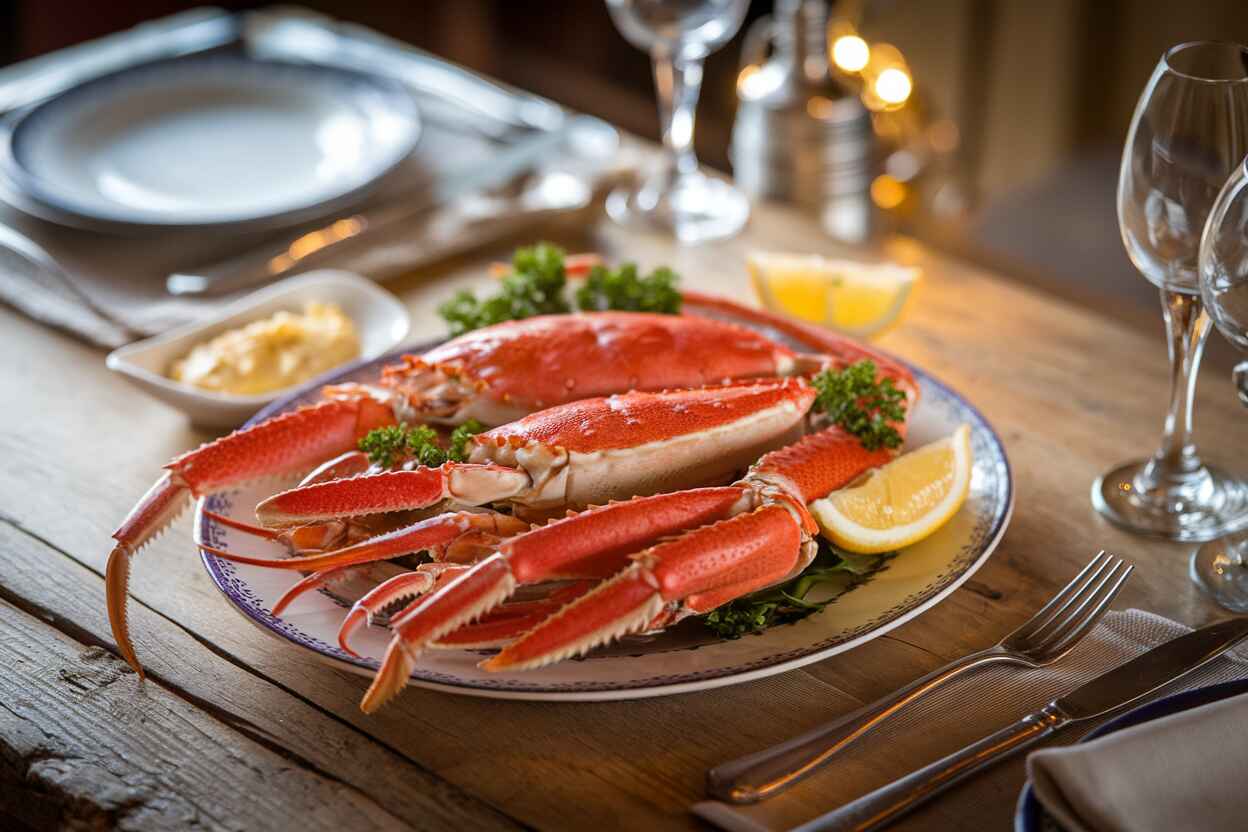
(1221,565)
(1189,131)
(679,198)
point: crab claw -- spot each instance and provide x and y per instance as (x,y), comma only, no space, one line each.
(292,442)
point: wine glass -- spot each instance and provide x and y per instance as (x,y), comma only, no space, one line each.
(1189,131)
(678,198)
(1221,566)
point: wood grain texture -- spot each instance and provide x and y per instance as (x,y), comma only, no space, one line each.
(93,751)
(304,735)
(1071,393)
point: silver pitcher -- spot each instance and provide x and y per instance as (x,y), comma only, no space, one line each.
(801,136)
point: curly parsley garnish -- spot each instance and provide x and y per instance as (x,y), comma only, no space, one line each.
(389,446)
(534,287)
(624,290)
(864,406)
(537,286)
(788,602)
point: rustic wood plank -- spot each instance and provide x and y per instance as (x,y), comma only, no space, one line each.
(93,751)
(275,718)
(1070,392)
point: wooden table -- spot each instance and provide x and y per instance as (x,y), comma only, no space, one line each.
(233,730)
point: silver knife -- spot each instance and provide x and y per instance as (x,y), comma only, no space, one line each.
(1108,692)
(272,261)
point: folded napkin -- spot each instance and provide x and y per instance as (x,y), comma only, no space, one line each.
(1181,772)
(970,708)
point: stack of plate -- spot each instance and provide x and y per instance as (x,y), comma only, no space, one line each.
(208,141)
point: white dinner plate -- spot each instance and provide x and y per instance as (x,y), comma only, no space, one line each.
(209,140)
(685,658)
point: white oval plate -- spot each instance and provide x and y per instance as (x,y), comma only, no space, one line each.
(211,140)
(380,319)
(687,658)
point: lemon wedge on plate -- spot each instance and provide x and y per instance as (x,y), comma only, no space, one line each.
(851,297)
(902,502)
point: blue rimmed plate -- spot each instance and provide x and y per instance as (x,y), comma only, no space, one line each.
(686,658)
(1029,816)
(210,140)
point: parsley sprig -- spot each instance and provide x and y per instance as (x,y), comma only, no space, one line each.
(623,289)
(860,403)
(537,285)
(832,568)
(388,447)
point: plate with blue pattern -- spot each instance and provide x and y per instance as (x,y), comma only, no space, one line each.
(688,657)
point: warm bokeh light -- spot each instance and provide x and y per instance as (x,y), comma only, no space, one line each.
(887,192)
(893,86)
(850,53)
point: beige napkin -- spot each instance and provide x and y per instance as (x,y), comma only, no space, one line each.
(966,710)
(1173,773)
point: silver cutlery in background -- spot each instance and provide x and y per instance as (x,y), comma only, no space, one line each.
(1108,692)
(274,260)
(1043,639)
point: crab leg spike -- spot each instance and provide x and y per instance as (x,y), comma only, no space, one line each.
(391,491)
(742,550)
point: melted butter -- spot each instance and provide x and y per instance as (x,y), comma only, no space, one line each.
(272,353)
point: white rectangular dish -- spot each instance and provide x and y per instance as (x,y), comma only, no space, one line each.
(380,318)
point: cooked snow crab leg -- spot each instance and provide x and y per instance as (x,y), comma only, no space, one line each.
(570,456)
(664,557)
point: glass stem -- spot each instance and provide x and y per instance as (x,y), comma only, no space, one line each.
(1187,328)
(678,83)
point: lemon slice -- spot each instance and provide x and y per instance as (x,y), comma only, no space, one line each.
(902,502)
(855,298)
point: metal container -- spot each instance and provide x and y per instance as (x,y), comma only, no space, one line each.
(801,136)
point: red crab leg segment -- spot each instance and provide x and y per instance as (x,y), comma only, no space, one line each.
(290,442)
(744,552)
(400,587)
(511,620)
(817,464)
(468,484)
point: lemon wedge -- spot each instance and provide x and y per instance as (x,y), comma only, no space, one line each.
(902,502)
(855,298)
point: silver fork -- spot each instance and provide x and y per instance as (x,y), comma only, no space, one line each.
(1043,639)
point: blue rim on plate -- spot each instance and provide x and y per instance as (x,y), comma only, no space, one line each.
(20,132)
(984,537)
(1029,816)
